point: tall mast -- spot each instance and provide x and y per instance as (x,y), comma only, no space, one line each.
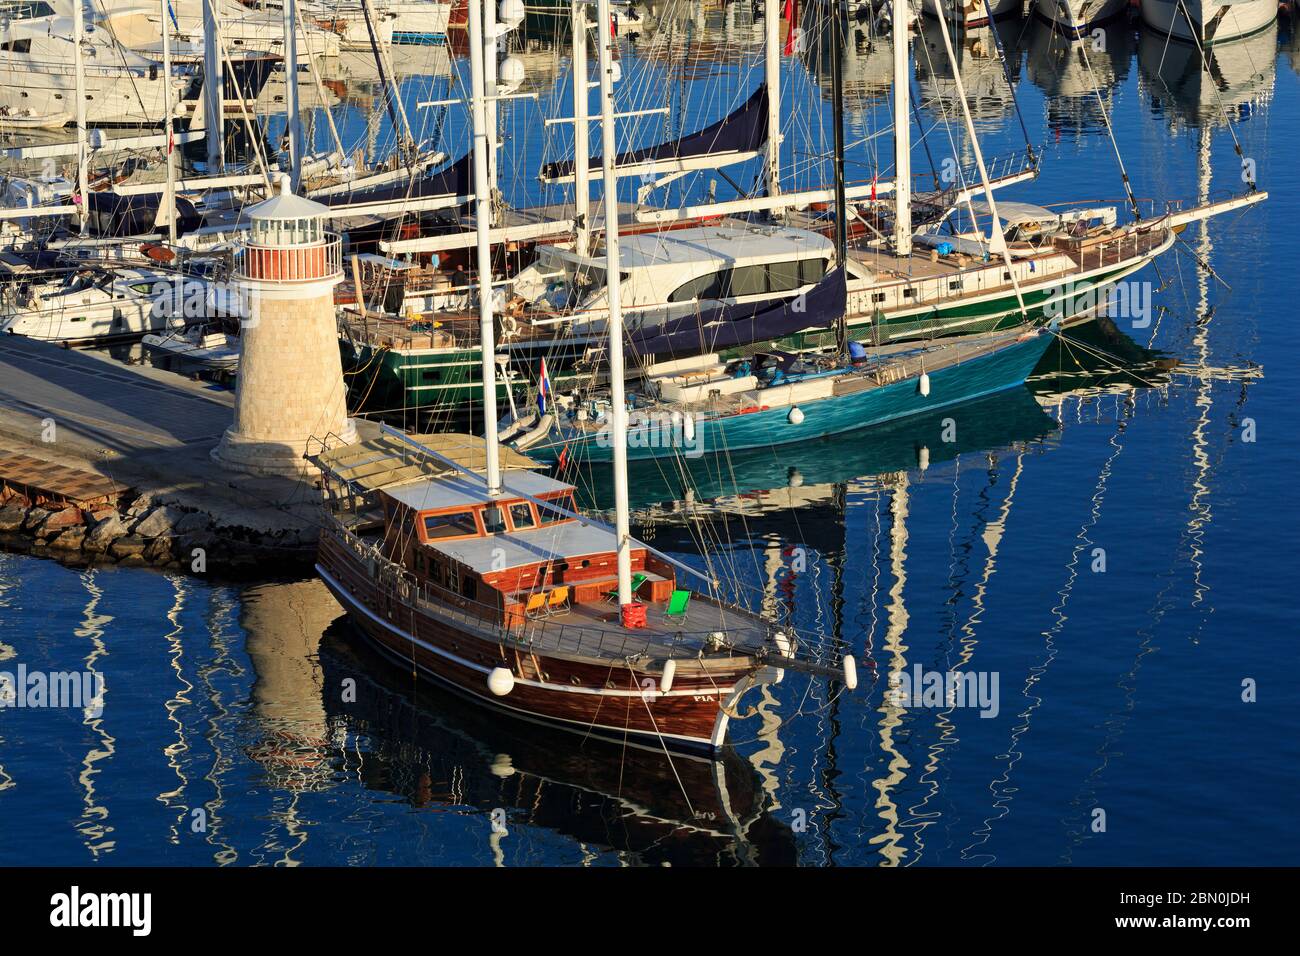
(482,226)
(213,98)
(293,122)
(79,65)
(997,241)
(618,410)
(902,130)
(837,112)
(170,195)
(581,129)
(492,37)
(772,78)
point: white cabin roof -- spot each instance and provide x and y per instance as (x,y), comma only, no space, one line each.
(721,244)
(568,540)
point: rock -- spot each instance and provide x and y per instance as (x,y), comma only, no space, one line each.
(68,540)
(12,516)
(69,517)
(34,518)
(159,550)
(159,521)
(132,546)
(140,506)
(97,513)
(104,533)
(192,522)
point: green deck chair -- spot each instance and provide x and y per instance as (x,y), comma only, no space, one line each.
(611,597)
(678,604)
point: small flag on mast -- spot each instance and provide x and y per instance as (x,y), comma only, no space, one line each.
(543,388)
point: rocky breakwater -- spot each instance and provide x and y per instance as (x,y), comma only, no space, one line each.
(145,531)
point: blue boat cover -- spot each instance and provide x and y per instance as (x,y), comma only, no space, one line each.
(734,324)
(454,179)
(743,131)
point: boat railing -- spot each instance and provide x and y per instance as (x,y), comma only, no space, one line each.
(488,622)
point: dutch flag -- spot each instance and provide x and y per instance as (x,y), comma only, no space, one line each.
(543,389)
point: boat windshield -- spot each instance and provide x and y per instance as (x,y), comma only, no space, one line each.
(24,9)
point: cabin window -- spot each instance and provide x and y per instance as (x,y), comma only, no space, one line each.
(521,516)
(909,293)
(878,297)
(17,46)
(783,276)
(748,280)
(709,286)
(469,587)
(494,519)
(812,270)
(548,515)
(454,525)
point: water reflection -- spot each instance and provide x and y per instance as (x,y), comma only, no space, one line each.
(434,751)
(1080,78)
(1235,79)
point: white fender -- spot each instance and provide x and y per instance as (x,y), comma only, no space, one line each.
(796,416)
(923,383)
(850,672)
(670,671)
(500,681)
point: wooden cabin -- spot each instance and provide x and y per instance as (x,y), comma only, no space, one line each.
(514,556)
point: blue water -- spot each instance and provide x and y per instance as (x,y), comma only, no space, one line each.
(1119,691)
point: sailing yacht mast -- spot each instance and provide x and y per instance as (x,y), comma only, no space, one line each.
(997,241)
(900,10)
(581,129)
(491,37)
(483,226)
(293,127)
(79,65)
(837,113)
(169,197)
(213,96)
(772,77)
(618,403)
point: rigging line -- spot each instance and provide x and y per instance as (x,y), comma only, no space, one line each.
(1011,88)
(1110,131)
(1192,30)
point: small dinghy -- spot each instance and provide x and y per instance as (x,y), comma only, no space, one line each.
(28,120)
(205,346)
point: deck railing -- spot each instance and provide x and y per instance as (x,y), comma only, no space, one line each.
(485,620)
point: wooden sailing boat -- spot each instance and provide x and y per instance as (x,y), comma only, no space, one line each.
(499,590)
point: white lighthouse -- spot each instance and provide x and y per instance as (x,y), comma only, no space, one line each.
(290,390)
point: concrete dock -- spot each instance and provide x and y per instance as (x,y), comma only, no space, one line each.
(151,431)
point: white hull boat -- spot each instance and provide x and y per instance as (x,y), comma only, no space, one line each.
(1212,21)
(38,79)
(197,346)
(1077,16)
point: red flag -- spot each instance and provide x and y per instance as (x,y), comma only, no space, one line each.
(562,460)
(791,11)
(873,188)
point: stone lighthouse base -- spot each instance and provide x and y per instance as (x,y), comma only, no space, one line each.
(282,458)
